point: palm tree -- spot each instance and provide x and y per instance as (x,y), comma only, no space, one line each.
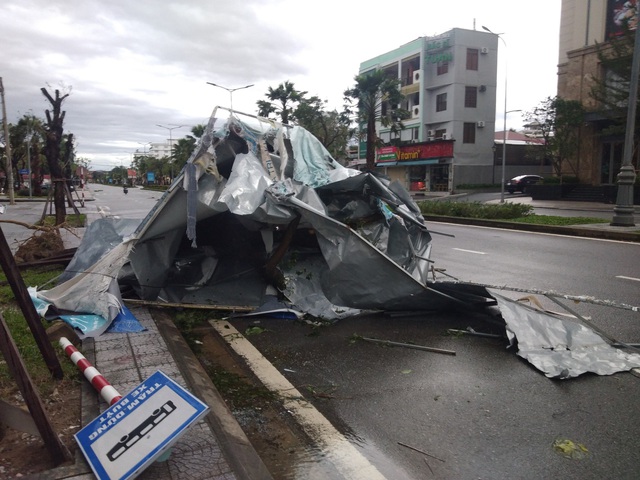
(185,146)
(286,95)
(378,99)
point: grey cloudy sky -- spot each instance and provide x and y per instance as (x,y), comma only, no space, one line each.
(131,65)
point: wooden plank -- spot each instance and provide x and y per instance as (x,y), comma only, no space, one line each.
(59,452)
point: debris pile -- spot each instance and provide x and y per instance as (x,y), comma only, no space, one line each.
(263,213)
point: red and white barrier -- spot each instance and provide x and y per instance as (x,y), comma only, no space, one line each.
(106,390)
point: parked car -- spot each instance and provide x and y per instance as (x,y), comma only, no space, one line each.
(519,183)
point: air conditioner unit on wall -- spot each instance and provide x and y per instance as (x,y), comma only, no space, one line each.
(445,136)
(431,133)
(480,124)
(484,50)
(416,76)
(415,111)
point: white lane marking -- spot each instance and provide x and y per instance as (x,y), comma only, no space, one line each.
(334,446)
(628,278)
(104,211)
(470,251)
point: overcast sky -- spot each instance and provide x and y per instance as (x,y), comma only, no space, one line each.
(131,65)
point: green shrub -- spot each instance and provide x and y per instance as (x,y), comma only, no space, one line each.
(502,211)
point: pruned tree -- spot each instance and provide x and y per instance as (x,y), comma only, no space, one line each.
(378,99)
(559,121)
(54,131)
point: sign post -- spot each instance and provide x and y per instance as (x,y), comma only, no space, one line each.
(141,427)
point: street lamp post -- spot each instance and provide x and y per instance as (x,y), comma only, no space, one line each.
(171,129)
(144,146)
(28,140)
(504,149)
(230,90)
(504,130)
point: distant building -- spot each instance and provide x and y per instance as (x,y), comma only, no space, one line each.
(449,84)
(583,27)
(161,150)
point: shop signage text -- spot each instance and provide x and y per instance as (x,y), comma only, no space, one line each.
(422,151)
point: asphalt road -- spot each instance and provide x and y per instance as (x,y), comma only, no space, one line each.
(483,413)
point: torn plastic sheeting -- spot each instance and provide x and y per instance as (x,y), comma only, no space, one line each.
(86,325)
(94,290)
(558,347)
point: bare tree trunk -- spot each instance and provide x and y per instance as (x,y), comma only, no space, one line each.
(54,129)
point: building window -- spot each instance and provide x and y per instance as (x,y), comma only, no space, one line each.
(469,133)
(441,102)
(472,59)
(443,67)
(470,97)
(441,132)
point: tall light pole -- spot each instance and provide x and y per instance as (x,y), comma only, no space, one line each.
(144,146)
(505,137)
(230,90)
(28,140)
(171,129)
(504,130)
(7,147)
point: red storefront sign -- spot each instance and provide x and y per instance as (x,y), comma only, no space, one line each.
(423,151)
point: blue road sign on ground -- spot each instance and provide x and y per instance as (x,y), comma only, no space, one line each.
(130,435)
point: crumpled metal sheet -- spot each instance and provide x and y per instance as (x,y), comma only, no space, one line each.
(559,347)
(361,236)
(263,205)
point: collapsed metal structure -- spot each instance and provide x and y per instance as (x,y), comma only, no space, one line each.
(262,210)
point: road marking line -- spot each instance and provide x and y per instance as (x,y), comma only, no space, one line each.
(628,278)
(470,251)
(334,446)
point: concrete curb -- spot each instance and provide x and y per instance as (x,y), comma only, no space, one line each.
(244,459)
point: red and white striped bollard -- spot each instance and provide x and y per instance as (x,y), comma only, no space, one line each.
(106,390)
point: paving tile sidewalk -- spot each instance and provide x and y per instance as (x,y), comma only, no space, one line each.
(126,360)
(213,448)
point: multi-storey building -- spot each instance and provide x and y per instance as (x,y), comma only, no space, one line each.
(585,27)
(449,84)
(161,150)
